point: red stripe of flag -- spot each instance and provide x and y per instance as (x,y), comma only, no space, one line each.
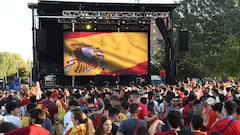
(141,69)
(68,35)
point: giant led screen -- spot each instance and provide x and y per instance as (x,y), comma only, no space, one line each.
(105,53)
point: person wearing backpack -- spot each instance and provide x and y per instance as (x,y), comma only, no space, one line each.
(228,125)
(130,126)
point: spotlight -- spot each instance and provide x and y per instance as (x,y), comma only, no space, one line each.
(125,14)
(109,15)
(118,23)
(108,22)
(88,27)
(73,21)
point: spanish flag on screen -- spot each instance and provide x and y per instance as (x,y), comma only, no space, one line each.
(94,53)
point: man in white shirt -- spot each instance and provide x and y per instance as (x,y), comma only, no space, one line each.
(13,114)
(67,121)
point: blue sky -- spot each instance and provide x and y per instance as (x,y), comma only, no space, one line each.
(16,25)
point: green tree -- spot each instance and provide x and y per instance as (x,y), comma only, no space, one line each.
(13,64)
(214,31)
(157,59)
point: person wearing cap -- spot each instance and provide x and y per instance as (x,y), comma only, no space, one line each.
(58,118)
(228,125)
(141,92)
(49,103)
(210,114)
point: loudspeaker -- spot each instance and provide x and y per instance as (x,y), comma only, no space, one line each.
(1,84)
(163,29)
(183,40)
(41,40)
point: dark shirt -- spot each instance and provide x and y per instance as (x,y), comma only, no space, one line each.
(47,124)
(114,129)
(52,109)
(128,126)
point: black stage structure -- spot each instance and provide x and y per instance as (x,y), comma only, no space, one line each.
(51,18)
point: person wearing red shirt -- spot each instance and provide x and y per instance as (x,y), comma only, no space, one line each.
(229,94)
(187,109)
(151,111)
(163,75)
(99,114)
(196,124)
(228,125)
(210,113)
(143,111)
(25,100)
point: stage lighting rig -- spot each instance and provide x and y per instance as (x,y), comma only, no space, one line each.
(88,27)
(110,17)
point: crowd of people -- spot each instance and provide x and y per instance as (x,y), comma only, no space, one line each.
(188,108)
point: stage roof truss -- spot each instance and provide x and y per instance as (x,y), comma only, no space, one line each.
(129,17)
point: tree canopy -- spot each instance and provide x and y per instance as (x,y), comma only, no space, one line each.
(214,43)
(10,64)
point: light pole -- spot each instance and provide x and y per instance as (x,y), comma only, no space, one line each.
(73,29)
(17,68)
(30,80)
(2,65)
(3,71)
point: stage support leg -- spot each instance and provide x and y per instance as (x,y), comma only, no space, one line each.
(35,55)
(73,81)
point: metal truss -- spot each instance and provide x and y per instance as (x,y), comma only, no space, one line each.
(113,14)
(128,17)
(104,21)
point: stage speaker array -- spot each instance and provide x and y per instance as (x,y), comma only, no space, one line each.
(1,84)
(41,40)
(183,40)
